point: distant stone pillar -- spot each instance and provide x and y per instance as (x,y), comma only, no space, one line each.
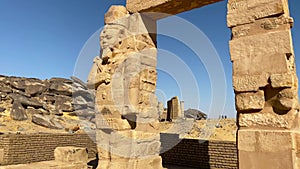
(127,116)
(182,109)
(174,110)
(265,83)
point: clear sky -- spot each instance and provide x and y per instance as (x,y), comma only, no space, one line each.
(59,38)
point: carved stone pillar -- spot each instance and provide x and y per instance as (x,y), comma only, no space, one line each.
(265,83)
(125,82)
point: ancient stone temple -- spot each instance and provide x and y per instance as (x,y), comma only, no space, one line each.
(264,81)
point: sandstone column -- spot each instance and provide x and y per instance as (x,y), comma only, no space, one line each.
(174,109)
(125,82)
(265,83)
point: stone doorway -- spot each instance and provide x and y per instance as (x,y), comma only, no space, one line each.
(266,94)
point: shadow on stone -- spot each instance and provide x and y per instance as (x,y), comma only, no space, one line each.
(94,162)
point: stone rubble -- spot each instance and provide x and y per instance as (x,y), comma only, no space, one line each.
(45,102)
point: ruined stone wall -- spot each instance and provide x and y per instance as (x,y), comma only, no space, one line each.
(199,153)
(27,148)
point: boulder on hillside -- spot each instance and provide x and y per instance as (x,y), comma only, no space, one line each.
(35,88)
(86,113)
(79,82)
(195,114)
(18,112)
(61,88)
(60,80)
(88,96)
(17,83)
(26,101)
(5,88)
(31,110)
(46,121)
(63,103)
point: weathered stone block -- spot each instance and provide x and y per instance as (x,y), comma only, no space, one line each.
(249,82)
(150,162)
(264,140)
(71,154)
(253,65)
(282,80)
(262,45)
(111,123)
(102,138)
(247,11)
(280,159)
(114,13)
(265,149)
(268,118)
(296,143)
(104,95)
(270,141)
(143,136)
(103,151)
(250,101)
(286,99)
(118,97)
(137,25)
(262,26)
(246,140)
(153,148)
(121,144)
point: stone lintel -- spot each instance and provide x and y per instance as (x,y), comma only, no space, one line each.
(164,8)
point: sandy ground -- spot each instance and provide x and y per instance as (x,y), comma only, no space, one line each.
(220,129)
(224,129)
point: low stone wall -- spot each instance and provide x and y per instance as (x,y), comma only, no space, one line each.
(27,148)
(198,153)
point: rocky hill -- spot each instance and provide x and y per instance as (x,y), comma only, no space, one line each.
(195,114)
(34,105)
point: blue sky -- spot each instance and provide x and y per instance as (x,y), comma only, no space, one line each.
(55,38)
